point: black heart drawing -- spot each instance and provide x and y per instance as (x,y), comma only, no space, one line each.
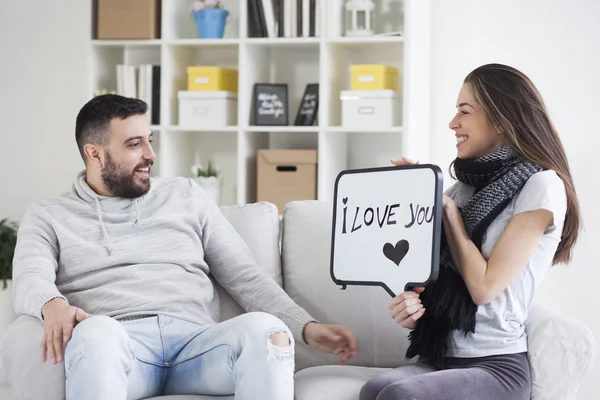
(345,200)
(396,253)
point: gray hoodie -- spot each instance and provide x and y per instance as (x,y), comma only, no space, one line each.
(150,255)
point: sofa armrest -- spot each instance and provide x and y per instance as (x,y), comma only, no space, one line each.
(21,365)
(561,353)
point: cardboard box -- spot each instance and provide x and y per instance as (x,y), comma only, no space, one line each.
(128,19)
(286,175)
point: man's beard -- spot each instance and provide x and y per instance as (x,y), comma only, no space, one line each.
(122,183)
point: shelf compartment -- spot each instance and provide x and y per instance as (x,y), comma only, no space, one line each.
(388,17)
(178,21)
(182,150)
(179,58)
(369,149)
(106,59)
(251,140)
(104,68)
(295,66)
(340,57)
(284,139)
(341,149)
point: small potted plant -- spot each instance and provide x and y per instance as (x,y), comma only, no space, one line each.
(8,241)
(210,18)
(209,180)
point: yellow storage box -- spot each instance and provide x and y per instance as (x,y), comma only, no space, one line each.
(373,77)
(212,78)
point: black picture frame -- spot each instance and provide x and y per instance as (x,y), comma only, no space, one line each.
(270,104)
(309,106)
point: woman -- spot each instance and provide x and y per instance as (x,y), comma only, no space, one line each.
(512,214)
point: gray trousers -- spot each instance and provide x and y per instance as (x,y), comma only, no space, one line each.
(500,377)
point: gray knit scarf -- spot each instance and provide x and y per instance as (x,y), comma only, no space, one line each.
(497,178)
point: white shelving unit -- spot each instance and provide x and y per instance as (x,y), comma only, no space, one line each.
(295,61)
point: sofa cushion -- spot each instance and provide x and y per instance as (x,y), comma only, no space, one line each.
(21,365)
(258,224)
(306,244)
(561,351)
(329,382)
(7,313)
(6,391)
(332,382)
(191,397)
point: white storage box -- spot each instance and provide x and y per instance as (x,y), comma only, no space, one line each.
(371,109)
(207,109)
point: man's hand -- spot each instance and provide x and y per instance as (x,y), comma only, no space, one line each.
(332,339)
(59,320)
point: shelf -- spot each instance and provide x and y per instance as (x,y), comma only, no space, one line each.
(176,128)
(194,43)
(296,62)
(302,41)
(349,41)
(287,128)
(127,43)
(331,129)
(359,41)
(341,129)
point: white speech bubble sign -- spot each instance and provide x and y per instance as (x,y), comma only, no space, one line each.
(387,227)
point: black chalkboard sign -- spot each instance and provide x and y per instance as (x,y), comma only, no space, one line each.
(309,105)
(270,104)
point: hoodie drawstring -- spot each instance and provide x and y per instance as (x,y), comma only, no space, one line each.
(137,212)
(107,242)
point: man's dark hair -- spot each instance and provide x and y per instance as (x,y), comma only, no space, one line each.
(94,118)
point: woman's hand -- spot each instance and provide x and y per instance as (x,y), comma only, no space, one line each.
(448,202)
(450,210)
(403,161)
(406,308)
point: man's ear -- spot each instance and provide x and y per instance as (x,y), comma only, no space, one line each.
(93,153)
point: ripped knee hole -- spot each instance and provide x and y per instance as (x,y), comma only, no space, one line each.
(280,340)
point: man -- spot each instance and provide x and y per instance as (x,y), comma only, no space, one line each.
(118,271)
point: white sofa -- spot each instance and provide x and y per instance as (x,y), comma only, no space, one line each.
(561,349)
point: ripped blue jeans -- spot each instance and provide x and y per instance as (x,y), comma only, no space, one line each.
(141,358)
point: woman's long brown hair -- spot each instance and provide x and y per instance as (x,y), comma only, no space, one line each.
(515,107)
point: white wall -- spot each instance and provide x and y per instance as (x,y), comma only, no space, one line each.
(42,87)
(557,44)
